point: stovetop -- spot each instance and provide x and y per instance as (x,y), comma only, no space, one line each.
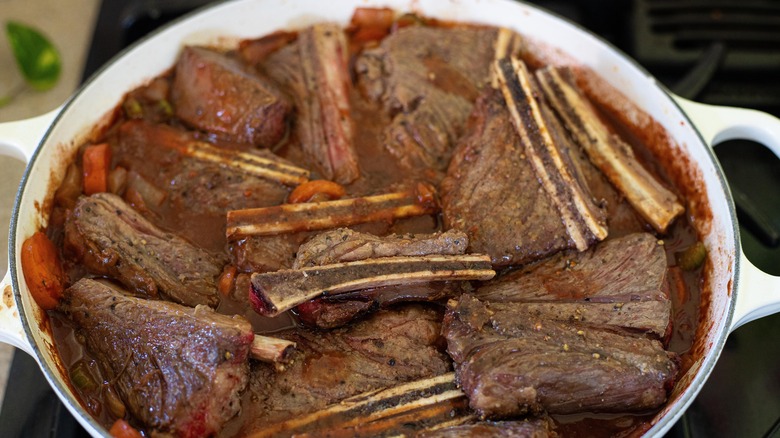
(723,52)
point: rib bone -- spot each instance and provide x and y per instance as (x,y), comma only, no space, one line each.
(580,215)
(272,350)
(276,292)
(324,58)
(312,216)
(382,410)
(251,164)
(607,151)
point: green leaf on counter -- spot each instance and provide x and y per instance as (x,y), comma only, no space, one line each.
(36,56)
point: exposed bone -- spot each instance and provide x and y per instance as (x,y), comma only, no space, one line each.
(311,216)
(507,41)
(276,292)
(324,57)
(251,164)
(272,350)
(580,215)
(607,151)
(382,410)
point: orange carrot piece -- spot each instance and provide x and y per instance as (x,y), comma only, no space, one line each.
(306,191)
(96,163)
(43,271)
(381,18)
(226,280)
(122,429)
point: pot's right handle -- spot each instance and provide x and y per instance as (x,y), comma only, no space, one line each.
(759,292)
(18,139)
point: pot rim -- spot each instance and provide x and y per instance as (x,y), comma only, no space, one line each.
(669,414)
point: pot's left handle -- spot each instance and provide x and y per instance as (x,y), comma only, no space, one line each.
(11,330)
(759,292)
(18,139)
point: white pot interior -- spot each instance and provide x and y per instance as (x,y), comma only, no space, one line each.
(226,23)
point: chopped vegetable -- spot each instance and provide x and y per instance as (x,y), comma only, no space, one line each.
(133,109)
(692,258)
(43,271)
(117,180)
(114,403)
(96,163)
(81,377)
(122,429)
(408,20)
(373,17)
(323,190)
(370,25)
(70,189)
(166,107)
(152,195)
(226,280)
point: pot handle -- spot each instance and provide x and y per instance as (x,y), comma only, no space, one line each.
(20,139)
(11,330)
(759,292)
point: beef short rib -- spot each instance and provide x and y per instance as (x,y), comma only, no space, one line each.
(621,282)
(489,168)
(313,69)
(198,191)
(611,154)
(178,370)
(344,245)
(548,151)
(385,350)
(214,93)
(112,239)
(528,428)
(510,364)
(427,79)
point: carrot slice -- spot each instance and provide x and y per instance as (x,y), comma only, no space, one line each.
(122,429)
(227,280)
(306,191)
(96,163)
(380,18)
(43,271)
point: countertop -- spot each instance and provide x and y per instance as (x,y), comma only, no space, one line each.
(68,24)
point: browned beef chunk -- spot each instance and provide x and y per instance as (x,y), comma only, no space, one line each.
(255,250)
(620,283)
(344,245)
(112,239)
(548,150)
(199,192)
(510,364)
(492,193)
(178,370)
(427,79)
(313,69)
(332,312)
(267,253)
(383,351)
(216,94)
(529,428)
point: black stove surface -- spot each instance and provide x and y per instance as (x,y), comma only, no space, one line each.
(722,52)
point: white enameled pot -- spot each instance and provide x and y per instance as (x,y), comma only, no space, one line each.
(738,291)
